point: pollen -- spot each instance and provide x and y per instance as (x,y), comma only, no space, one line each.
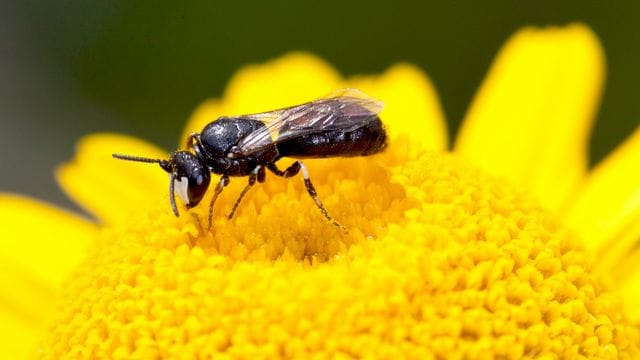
(439,261)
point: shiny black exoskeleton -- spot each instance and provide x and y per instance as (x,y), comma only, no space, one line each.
(343,125)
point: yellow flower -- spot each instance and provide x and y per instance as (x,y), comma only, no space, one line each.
(441,260)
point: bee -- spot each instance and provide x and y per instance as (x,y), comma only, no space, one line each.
(345,124)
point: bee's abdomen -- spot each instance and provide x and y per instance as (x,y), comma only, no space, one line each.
(366,140)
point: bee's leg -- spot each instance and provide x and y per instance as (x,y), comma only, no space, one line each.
(257,174)
(172,193)
(292,170)
(224,181)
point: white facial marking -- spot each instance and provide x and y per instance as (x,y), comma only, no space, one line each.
(181,185)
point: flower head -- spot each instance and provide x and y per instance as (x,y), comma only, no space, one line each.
(441,259)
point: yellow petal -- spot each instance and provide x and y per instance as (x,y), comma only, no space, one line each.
(292,79)
(411,107)
(18,338)
(108,188)
(606,211)
(41,237)
(531,118)
(40,246)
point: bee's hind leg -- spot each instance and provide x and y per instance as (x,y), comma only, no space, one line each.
(294,169)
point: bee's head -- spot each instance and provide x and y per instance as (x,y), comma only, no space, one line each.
(189,177)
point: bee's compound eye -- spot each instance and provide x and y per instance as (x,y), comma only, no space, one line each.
(181,187)
(198,184)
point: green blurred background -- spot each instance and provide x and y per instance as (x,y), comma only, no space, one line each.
(73,67)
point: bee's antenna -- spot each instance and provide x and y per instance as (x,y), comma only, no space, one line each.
(167,165)
(137,158)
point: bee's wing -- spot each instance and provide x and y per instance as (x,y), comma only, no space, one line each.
(344,110)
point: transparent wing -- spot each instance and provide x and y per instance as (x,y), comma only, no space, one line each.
(345,110)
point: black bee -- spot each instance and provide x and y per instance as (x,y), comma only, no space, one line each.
(345,124)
